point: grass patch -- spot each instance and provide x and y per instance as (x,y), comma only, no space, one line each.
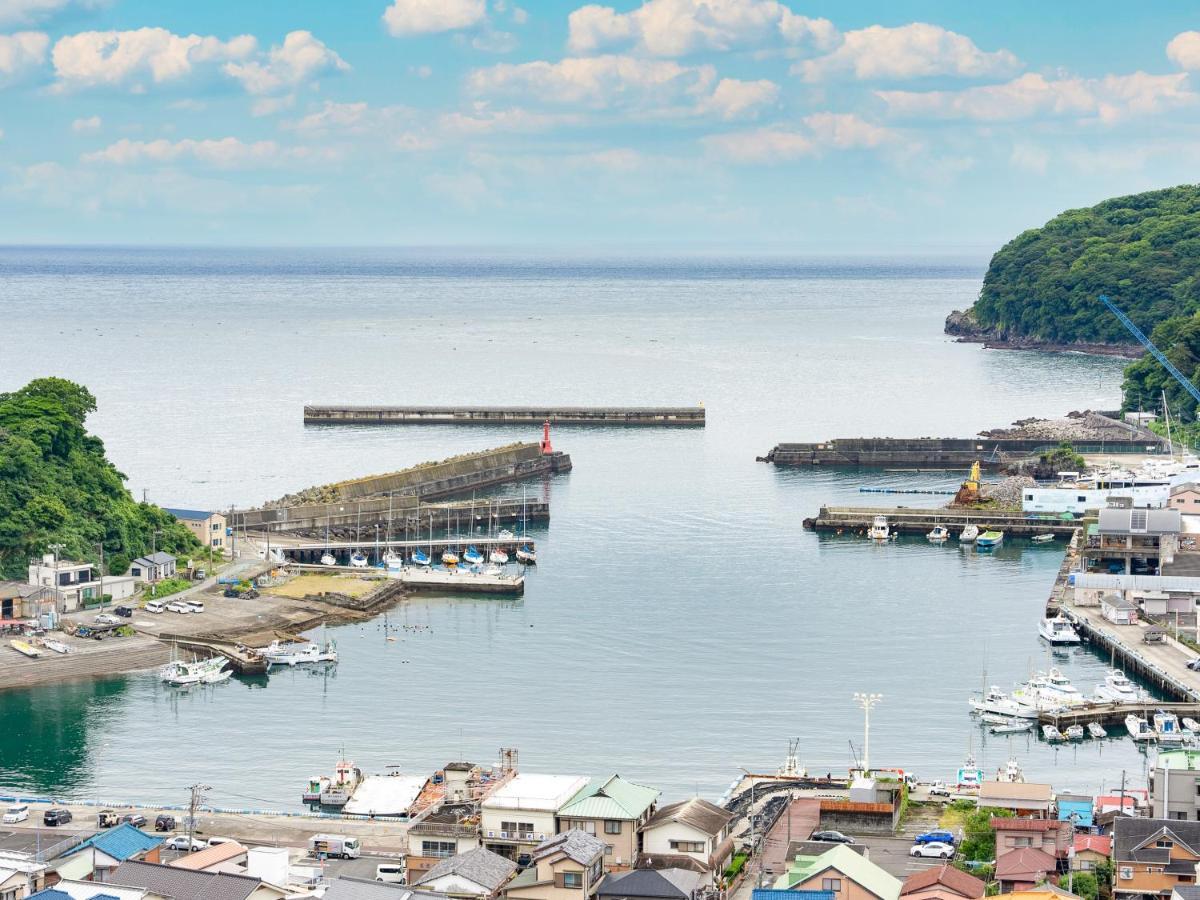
(316,583)
(167,587)
(735,865)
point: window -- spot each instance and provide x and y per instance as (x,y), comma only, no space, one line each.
(1174,815)
(611,826)
(608,849)
(831,884)
(572,879)
(216,542)
(1081,499)
(1021,841)
(688,846)
(440,849)
(216,527)
(1165,843)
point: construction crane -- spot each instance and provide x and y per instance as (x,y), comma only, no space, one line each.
(1154,351)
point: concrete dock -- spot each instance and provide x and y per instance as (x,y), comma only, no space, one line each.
(461,581)
(310,551)
(661,416)
(906,520)
(937,453)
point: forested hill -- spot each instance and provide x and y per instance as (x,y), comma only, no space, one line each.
(57,486)
(1041,287)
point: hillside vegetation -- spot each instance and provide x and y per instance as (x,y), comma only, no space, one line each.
(58,487)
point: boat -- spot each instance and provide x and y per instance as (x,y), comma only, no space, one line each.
(1049,691)
(998,702)
(56,646)
(216,676)
(968,534)
(1166,727)
(1042,538)
(28,649)
(1117,688)
(505,535)
(991,718)
(393,561)
(1052,734)
(1012,772)
(1191,725)
(294,653)
(419,558)
(340,789)
(493,570)
(1012,726)
(989,539)
(358,559)
(970,776)
(1058,630)
(1096,730)
(498,556)
(472,557)
(526,555)
(328,559)
(179,673)
(316,786)
(1075,732)
(449,558)
(1139,729)
(940,533)
(879,530)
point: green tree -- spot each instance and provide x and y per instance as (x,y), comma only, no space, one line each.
(1085,884)
(979,838)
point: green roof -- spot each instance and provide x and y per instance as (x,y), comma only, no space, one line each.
(610,798)
(1178,759)
(852,865)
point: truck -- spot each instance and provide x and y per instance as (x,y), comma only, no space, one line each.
(334,845)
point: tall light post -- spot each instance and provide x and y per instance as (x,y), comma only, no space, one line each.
(867,702)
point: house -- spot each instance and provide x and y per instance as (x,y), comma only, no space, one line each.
(1089,851)
(1154,856)
(1020,870)
(1044,892)
(773,894)
(942,882)
(75,584)
(184,884)
(844,873)
(96,858)
(653,884)
(522,812)
(89,890)
(20,874)
(1127,802)
(1078,809)
(1022,798)
(1175,785)
(1053,836)
(1186,892)
(1128,540)
(448,831)
(208,527)
(1186,497)
(476,873)
(152,568)
(229,856)
(20,601)
(614,810)
(690,834)
(1118,609)
(345,887)
(567,866)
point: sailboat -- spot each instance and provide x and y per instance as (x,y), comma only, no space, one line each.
(419,557)
(393,561)
(328,559)
(498,556)
(472,557)
(525,553)
(358,559)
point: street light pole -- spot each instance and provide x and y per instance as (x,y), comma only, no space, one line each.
(867,702)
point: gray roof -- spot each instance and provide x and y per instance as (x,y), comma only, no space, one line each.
(1187,891)
(1139,521)
(480,865)
(345,888)
(705,817)
(184,884)
(192,514)
(19,589)
(669,884)
(577,844)
(1130,834)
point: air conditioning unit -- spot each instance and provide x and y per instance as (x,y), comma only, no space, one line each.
(504,834)
(1125,873)
(491,834)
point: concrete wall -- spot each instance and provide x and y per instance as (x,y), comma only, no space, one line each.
(932,452)
(501,415)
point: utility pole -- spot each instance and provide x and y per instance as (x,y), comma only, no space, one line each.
(867,701)
(101,546)
(197,798)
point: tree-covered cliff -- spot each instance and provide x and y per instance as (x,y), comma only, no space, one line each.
(58,487)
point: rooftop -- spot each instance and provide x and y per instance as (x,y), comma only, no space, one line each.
(1021,791)
(346,888)
(184,884)
(1100,843)
(1008,824)
(121,843)
(210,856)
(611,798)
(1024,861)
(194,515)
(546,793)
(1133,838)
(481,865)
(668,884)
(705,817)
(956,880)
(1178,759)
(857,868)
(156,559)
(1139,521)
(576,844)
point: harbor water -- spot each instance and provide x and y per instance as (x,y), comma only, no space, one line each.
(680,625)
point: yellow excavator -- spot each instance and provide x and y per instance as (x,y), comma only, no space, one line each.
(968,493)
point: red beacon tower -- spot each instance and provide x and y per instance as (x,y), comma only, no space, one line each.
(546,448)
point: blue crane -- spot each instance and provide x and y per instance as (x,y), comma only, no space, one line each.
(1154,351)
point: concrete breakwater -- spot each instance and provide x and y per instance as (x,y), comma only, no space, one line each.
(671,416)
(906,520)
(355,520)
(937,453)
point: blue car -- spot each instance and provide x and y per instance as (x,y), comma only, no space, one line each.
(930,837)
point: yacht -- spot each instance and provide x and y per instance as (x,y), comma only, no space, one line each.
(419,558)
(997,702)
(1049,691)
(1166,727)
(1011,772)
(1058,630)
(1096,730)
(472,557)
(1117,688)
(328,559)
(449,558)
(358,559)
(879,530)
(498,556)
(1075,732)
(1052,734)
(969,534)
(939,534)
(527,556)
(1139,729)
(393,561)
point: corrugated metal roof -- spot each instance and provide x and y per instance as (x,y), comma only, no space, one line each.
(121,843)
(611,798)
(1097,580)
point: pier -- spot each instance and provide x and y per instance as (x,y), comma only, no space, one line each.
(906,520)
(938,453)
(240,658)
(661,416)
(461,581)
(310,551)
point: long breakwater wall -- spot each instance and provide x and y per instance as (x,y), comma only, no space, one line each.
(935,453)
(670,416)
(357,519)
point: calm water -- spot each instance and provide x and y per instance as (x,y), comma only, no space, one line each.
(681,623)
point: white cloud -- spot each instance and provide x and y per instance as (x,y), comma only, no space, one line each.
(23,50)
(918,50)
(93,58)
(484,120)
(1184,50)
(25,12)
(300,58)
(822,131)
(734,99)
(1106,99)
(224,153)
(91,123)
(679,27)
(408,17)
(495,42)
(846,131)
(1029,158)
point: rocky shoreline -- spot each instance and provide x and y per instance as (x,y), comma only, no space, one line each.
(963,328)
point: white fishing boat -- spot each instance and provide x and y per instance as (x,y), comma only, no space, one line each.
(1012,772)
(1191,724)
(358,559)
(1075,732)
(991,718)
(939,534)
(346,778)
(1096,730)
(179,673)
(1042,538)
(295,653)
(1117,688)
(313,790)
(498,556)
(527,556)
(217,676)
(879,530)
(1052,734)
(1013,726)
(970,776)
(1166,727)
(328,559)
(1139,729)
(56,646)
(997,702)
(968,534)
(1058,630)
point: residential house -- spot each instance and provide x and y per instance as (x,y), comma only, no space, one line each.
(345,887)
(1128,540)
(655,884)
(1154,856)
(1022,798)
(614,810)
(1020,870)
(1044,892)
(98,857)
(20,875)
(690,834)
(75,584)
(1053,836)
(773,894)
(476,873)
(568,866)
(522,812)
(1089,851)
(1128,802)
(942,882)
(229,856)
(1186,892)
(450,830)
(1186,497)
(1078,809)
(152,568)
(1175,785)
(1118,609)
(20,601)
(208,527)
(89,890)
(844,873)
(184,884)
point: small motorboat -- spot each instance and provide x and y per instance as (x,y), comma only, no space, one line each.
(1042,538)
(1191,724)
(1012,726)
(419,558)
(968,534)
(56,646)
(939,534)
(1075,732)
(1166,725)
(527,556)
(1052,734)
(328,559)
(358,559)
(1011,772)
(505,535)
(879,530)
(1139,729)
(472,557)
(1117,688)
(991,718)
(203,671)
(27,649)
(294,653)
(1096,730)
(449,558)
(498,556)
(1058,630)
(393,561)
(989,539)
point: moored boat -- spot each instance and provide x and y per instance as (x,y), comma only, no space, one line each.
(27,649)
(989,539)
(1117,688)
(1139,729)
(1042,538)
(340,789)
(472,557)
(1012,772)
(179,673)
(419,558)
(505,535)
(294,653)
(449,558)
(997,702)
(939,534)
(1058,630)
(358,559)
(968,534)
(526,555)
(328,559)
(313,790)
(1191,724)
(970,776)
(879,530)
(1013,726)
(393,561)
(498,556)
(1075,732)
(1166,727)
(1096,730)
(1052,734)
(56,646)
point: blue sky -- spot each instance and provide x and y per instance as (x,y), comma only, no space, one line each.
(749,124)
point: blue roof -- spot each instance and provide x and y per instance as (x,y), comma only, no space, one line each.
(50,894)
(773,894)
(187,513)
(121,843)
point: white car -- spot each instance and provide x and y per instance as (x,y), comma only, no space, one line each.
(939,789)
(180,842)
(16,814)
(107,619)
(196,606)
(155,606)
(934,849)
(179,606)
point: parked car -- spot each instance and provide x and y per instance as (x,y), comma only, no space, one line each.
(137,820)
(164,822)
(181,842)
(53,817)
(939,789)
(155,606)
(16,814)
(124,612)
(196,606)
(832,837)
(1194,664)
(391,873)
(218,841)
(107,619)
(107,819)
(178,606)
(201,574)
(939,836)
(935,850)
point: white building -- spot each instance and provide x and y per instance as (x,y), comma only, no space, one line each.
(685,834)
(77,583)
(521,813)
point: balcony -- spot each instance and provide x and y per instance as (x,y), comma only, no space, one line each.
(523,837)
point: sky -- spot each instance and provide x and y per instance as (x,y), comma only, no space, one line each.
(778,125)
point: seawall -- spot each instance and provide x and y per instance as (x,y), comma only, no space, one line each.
(669,416)
(935,453)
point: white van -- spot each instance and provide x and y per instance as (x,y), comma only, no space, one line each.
(392,873)
(155,606)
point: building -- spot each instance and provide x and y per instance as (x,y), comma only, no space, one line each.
(565,867)
(152,568)
(1044,892)
(446,832)
(76,584)
(20,875)
(98,857)
(229,856)
(184,884)
(1175,785)
(1186,497)
(1053,836)
(522,812)
(476,873)
(1118,609)
(1020,870)
(1154,856)
(88,890)
(345,887)
(655,884)
(614,810)
(208,527)
(690,834)
(1077,809)
(20,601)
(1127,540)
(1024,799)
(1089,851)
(942,882)
(842,872)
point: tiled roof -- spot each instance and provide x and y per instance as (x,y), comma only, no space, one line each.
(667,884)
(705,817)
(1001,823)
(857,868)
(611,798)
(209,856)
(481,865)
(1024,861)
(183,884)
(121,843)
(1187,891)
(1101,843)
(578,845)
(346,888)
(186,514)
(1130,833)
(956,880)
